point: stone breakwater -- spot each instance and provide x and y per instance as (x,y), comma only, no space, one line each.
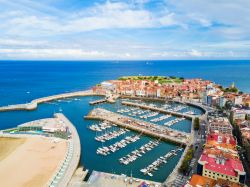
(33,104)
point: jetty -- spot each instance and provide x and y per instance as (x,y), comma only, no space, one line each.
(97,101)
(163,111)
(33,104)
(153,130)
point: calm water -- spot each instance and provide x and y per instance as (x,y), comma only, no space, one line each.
(75,109)
(23,81)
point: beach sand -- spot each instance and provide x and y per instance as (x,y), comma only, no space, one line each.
(29,161)
(8,145)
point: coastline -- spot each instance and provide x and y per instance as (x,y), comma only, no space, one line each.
(34,103)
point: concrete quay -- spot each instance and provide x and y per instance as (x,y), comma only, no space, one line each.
(33,104)
(74,162)
(188,116)
(150,129)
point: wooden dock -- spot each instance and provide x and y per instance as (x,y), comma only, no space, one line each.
(150,129)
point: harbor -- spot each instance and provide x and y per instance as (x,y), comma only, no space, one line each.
(162,110)
(93,132)
(140,126)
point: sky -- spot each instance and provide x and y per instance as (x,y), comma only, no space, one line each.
(124,30)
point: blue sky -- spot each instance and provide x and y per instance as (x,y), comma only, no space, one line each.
(125,30)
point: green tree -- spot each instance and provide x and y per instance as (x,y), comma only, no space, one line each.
(196,124)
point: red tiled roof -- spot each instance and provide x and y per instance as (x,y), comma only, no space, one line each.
(230,167)
(224,139)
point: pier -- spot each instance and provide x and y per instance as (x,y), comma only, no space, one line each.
(97,101)
(188,116)
(153,130)
(33,104)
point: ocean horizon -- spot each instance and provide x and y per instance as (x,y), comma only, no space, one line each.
(25,80)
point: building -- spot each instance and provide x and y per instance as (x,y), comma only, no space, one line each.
(200,181)
(238,114)
(217,166)
(238,100)
(219,125)
(224,141)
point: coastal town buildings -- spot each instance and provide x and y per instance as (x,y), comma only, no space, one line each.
(220,125)
(219,163)
(198,181)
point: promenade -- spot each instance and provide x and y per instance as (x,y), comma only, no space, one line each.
(76,152)
(157,131)
(188,116)
(33,104)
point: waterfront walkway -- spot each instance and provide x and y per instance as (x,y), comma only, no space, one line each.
(33,104)
(188,116)
(69,164)
(76,148)
(157,131)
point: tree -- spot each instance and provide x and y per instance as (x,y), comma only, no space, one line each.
(186,161)
(196,124)
(231,118)
(228,105)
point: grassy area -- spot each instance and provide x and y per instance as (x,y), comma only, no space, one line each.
(8,145)
(160,79)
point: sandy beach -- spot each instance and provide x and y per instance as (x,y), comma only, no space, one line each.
(29,161)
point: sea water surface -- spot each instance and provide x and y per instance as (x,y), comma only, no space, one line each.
(22,81)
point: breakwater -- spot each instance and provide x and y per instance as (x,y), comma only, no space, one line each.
(33,104)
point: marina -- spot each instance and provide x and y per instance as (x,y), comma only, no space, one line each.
(117,146)
(174,121)
(154,166)
(153,107)
(110,135)
(147,128)
(100,127)
(92,160)
(137,153)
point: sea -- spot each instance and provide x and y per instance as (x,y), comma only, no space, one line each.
(23,81)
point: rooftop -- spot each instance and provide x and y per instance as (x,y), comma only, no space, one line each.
(220,164)
(200,181)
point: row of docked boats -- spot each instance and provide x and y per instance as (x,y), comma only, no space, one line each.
(161,118)
(138,112)
(117,146)
(166,106)
(190,112)
(174,121)
(149,115)
(110,135)
(101,126)
(134,155)
(127,109)
(154,166)
(177,108)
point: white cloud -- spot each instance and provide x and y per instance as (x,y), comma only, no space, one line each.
(126,30)
(195,53)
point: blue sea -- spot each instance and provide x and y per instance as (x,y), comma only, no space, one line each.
(22,81)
